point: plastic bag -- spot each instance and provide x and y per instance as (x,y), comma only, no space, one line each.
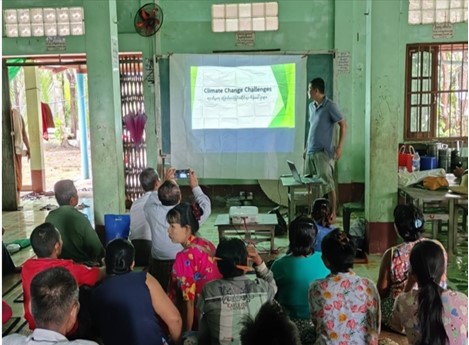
(434,182)
(406,179)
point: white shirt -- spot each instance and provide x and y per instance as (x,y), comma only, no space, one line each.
(139,227)
(42,336)
(162,248)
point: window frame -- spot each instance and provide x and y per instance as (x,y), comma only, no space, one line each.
(434,49)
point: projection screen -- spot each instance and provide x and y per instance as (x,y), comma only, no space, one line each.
(237,116)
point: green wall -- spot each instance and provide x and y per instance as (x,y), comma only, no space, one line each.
(371,94)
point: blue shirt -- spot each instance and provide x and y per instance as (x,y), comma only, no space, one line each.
(322,232)
(293,275)
(322,119)
(123,312)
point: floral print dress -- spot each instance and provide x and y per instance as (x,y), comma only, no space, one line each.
(194,266)
(345,309)
(454,316)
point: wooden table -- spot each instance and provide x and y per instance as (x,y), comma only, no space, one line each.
(310,188)
(420,196)
(265,227)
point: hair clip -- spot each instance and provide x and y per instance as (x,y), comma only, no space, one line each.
(418,223)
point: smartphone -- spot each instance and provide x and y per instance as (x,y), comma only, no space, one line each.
(181,173)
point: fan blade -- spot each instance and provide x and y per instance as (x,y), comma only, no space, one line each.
(140,24)
(144,14)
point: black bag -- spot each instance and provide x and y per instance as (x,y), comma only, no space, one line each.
(281,227)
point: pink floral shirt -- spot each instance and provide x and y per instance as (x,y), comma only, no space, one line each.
(194,266)
(345,309)
(454,316)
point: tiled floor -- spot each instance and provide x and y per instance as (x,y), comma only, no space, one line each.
(19,225)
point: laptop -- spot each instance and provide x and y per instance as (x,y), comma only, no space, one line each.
(296,175)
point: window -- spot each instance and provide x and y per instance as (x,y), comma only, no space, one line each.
(437,11)
(436,91)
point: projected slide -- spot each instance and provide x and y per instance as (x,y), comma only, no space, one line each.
(237,116)
(243,97)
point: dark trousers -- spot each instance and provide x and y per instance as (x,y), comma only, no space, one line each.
(161,270)
(142,252)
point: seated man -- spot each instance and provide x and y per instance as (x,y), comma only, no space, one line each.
(163,250)
(80,241)
(55,306)
(47,245)
(140,233)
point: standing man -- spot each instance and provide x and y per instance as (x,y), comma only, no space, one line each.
(320,151)
(20,138)
(163,251)
(140,233)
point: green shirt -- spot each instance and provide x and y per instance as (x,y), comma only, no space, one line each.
(80,241)
(293,275)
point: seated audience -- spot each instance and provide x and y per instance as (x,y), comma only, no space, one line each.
(163,251)
(80,241)
(55,306)
(127,306)
(194,265)
(271,326)
(224,302)
(294,273)
(394,269)
(431,314)
(322,215)
(344,307)
(47,245)
(140,233)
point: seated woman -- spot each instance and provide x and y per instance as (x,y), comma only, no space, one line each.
(394,269)
(194,265)
(224,302)
(431,314)
(344,307)
(322,215)
(295,271)
(127,306)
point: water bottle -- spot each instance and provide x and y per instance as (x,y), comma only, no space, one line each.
(416,162)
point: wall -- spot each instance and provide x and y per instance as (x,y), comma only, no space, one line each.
(371,94)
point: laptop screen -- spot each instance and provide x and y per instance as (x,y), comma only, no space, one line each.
(294,171)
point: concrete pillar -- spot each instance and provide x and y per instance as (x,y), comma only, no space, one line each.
(33,103)
(9,201)
(104,108)
(85,167)
(383,117)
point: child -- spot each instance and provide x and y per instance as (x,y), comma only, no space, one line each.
(344,307)
(194,265)
(224,302)
(321,214)
(431,314)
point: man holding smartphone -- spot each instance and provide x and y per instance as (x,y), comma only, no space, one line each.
(163,251)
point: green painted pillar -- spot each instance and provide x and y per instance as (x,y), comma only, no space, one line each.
(385,97)
(9,202)
(104,108)
(34,114)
